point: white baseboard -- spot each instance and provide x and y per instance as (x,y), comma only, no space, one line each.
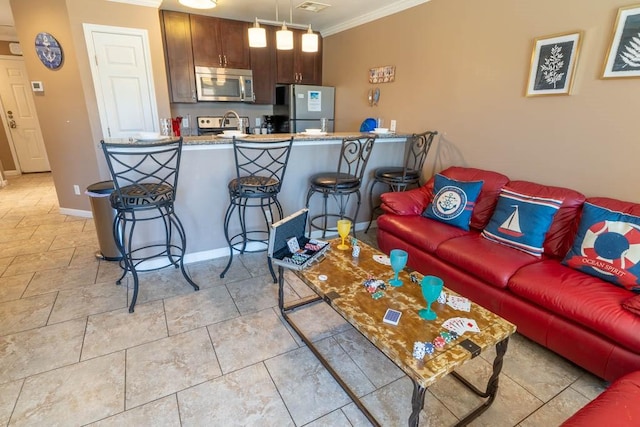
(76,212)
(12,173)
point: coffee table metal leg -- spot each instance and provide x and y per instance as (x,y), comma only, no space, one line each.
(417,403)
(492,385)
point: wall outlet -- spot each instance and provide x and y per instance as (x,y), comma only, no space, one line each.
(76,189)
(258,122)
(392,127)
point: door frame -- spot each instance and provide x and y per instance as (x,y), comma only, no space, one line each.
(7,130)
(89,29)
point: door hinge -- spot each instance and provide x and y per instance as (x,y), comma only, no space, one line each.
(96,59)
(109,132)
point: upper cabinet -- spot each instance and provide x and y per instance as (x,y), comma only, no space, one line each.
(263,64)
(298,67)
(179,56)
(220,42)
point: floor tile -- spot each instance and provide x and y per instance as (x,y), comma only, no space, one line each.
(14,235)
(306,387)
(159,413)
(86,300)
(557,410)
(41,261)
(245,340)
(255,263)
(60,228)
(58,397)
(207,273)
(197,309)
(171,364)
(24,314)
(319,321)
(246,397)
(72,240)
(32,245)
(165,283)
(8,396)
(61,278)
(335,418)
(257,293)
(39,350)
(117,330)
(12,287)
(589,385)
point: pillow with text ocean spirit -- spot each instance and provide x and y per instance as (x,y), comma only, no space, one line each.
(521,221)
(453,201)
(607,246)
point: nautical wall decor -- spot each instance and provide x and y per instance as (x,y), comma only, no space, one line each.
(49,50)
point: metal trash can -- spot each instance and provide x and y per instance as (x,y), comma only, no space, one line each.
(103,217)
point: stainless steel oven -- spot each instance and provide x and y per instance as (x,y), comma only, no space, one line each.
(224,84)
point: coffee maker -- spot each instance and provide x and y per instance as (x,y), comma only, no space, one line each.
(276,124)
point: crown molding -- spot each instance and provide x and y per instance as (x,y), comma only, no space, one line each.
(146,3)
(395,7)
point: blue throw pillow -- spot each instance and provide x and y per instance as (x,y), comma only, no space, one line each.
(607,246)
(453,201)
(521,221)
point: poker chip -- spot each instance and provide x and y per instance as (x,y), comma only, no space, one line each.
(322,277)
(439,342)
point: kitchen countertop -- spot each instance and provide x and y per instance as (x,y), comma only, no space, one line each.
(213,139)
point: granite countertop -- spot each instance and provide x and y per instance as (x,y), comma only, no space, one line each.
(213,139)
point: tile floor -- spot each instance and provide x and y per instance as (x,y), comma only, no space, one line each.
(71,354)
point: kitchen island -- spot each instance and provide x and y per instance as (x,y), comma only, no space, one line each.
(208,165)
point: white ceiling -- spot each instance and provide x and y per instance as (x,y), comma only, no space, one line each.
(339,16)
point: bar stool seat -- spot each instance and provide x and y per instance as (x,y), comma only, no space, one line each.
(345,181)
(145,178)
(260,169)
(400,178)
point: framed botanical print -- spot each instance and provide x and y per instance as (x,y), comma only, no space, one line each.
(623,57)
(553,64)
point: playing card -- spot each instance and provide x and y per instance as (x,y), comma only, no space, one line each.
(471,325)
(382,259)
(455,324)
(458,303)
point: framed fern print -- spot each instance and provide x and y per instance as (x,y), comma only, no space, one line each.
(623,57)
(553,64)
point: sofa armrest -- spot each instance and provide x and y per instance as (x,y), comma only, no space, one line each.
(411,202)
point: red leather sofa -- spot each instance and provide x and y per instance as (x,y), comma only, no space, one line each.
(617,406)
(574,314)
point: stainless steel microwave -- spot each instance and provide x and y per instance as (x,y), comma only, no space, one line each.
(224,84)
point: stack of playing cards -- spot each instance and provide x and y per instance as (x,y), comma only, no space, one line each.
(458,303)
(460,325)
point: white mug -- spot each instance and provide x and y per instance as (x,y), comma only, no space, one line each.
(165,127)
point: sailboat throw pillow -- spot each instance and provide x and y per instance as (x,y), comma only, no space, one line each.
(607,246)
(521,221)
(453,201)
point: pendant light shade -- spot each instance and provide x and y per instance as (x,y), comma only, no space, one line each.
(199,4)
(257,36)
(284,38)
(309,41)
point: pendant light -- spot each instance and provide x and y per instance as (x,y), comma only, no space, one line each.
(309,41)
(284,38)
(199,4)
(257,36)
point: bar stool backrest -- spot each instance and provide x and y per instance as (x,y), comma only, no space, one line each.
(261,165)
(354,155)
(418,150)
(144,175)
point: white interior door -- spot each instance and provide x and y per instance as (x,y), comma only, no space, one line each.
(20,117)
(122,77)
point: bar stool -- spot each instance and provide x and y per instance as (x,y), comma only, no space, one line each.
(145,178)
(346,181)
(260,168)
(400,178)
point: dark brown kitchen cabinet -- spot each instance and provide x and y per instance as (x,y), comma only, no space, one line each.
(263,64)
(176,32)
(296,66)
(220,42)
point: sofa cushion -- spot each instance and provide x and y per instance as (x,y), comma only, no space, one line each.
(565,222)
(486,202)
(453,201)
(583,299)
(607,246)
(632,304)
(423,233)
(484,259)
(521,221)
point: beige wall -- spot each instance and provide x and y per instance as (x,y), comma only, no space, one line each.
(68,112)
(461,69)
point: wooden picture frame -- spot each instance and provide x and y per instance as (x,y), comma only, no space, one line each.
(623,56)
(553,64)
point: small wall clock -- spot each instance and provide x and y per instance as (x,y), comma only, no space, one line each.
(49,50)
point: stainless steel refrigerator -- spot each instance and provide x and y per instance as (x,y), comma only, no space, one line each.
(305,105)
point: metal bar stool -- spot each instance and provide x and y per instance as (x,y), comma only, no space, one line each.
(260,168)
(341,184)
(145,177)
(400,178)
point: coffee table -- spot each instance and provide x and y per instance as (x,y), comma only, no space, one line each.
(343,290)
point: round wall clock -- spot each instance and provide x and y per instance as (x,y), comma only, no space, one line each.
(49,50)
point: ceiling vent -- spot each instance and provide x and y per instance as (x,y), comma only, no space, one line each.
(312,6)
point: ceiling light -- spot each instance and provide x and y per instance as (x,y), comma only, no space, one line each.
(284,38)
(257,36)
(309,41)
(199,4)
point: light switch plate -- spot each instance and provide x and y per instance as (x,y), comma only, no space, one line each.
(392,126)
(37,86)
